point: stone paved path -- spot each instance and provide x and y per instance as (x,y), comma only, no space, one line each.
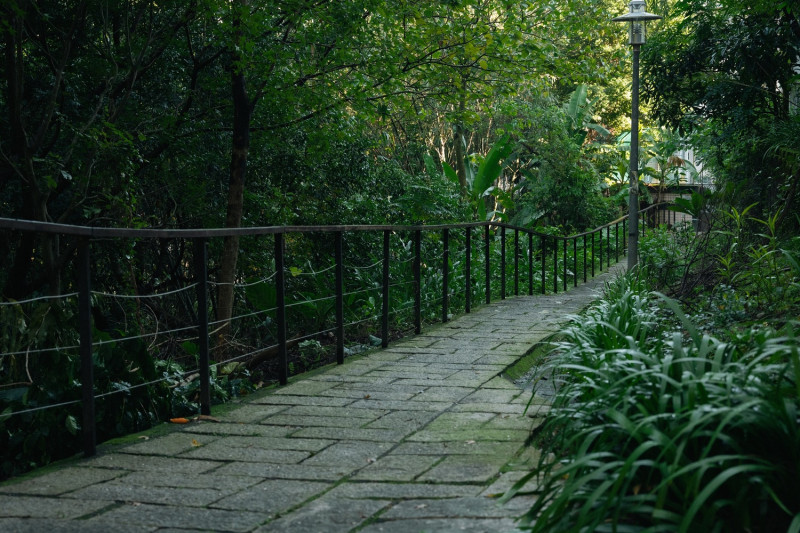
(417,437)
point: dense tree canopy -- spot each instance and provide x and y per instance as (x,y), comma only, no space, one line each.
(728,72)
(162,114)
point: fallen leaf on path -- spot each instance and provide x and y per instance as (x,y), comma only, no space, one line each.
(195,443)
(179,420)
(470,442)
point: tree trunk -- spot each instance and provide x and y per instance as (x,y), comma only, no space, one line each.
(242,111)
(459,141)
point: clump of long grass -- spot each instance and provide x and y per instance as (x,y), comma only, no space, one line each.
(659,431)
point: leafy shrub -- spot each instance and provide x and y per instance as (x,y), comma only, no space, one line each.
(133,390)
(669,429)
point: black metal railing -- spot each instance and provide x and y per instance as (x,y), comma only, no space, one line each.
(541,258)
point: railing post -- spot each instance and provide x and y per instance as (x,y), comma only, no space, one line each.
(616,241)
(543,243)
(601,249)
(555,265)
(385,317)
(487,254)
(516,262)
(608,243)
(445,272)
(280,312)
(584,258)
(200,254)
(575,261)
(625,235)
(417,282)
(468,270)
(530,264)
(87,366)
(565,265)
(339,260)
(502,262)
(593,253)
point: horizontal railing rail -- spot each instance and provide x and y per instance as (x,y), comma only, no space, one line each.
(537,259)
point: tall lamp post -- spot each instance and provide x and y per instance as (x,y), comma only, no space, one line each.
(637,18)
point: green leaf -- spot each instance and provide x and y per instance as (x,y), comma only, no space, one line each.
(190,347)
(492,165)
(450,173)
(72,425)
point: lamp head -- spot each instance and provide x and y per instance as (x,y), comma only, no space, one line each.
(637,16)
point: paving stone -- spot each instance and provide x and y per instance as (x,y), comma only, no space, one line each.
(296,421)
(317,401)
(480,507)
(253,455)
(169,445)
(507,480)
(212,428)
(374,393)
(442,525)
(62,481)
(495,396)
(307,472)
(326,515)
(272,443)
(272,496)
(396,468)
(449,422)
(516,422)
(464,447)
(462,407)
(305,388)
(395,491)
(406,421)
(122,461)
(499,359)
(121,492)
(37,525)
(212,480)
(401,406)
(368,434)
(443,394)
(42,507)
(356,454)
(464,469)
(500,383)
(469,434)
(179,516)
(252,413)
(366,410)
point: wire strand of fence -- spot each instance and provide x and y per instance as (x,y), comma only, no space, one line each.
(38,299)
(143,296)
(238,317)
(369,289)
(252,283)
(312,273)
(143,336)
(306,302)
(41,408)
(40,350)
(373,265)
